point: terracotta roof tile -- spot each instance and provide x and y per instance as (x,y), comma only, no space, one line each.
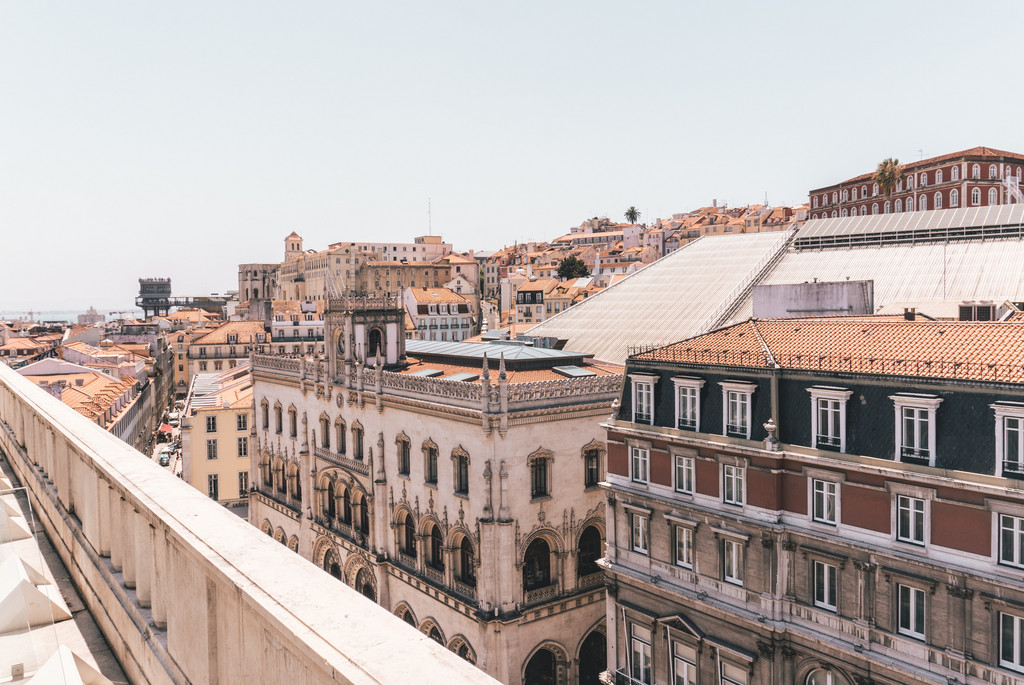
(888,345)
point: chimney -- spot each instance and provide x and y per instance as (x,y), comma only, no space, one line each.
(910,314)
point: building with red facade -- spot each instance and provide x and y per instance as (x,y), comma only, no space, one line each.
(820,501)
(978,177)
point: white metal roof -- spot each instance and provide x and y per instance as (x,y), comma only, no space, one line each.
(666,301)
(960,270)
(905,222)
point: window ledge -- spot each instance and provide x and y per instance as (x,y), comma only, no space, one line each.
(540,498)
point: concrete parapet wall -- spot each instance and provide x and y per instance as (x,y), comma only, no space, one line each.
(184,590)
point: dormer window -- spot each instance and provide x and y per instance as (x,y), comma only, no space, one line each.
(828,417)
(915,427)
(1009,446)
(232,338)
(688,402)
(643,397)
(736,408)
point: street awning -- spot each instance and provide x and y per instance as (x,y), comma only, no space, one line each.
(166,428)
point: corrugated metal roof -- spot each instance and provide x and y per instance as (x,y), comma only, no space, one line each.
(900,222)
(666,301)
(974,270)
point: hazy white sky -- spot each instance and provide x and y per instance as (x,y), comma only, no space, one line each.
(181,138)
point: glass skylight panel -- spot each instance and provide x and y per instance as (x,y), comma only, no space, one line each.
(572,371)
(428,373)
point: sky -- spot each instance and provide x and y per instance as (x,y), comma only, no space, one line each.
(179,139)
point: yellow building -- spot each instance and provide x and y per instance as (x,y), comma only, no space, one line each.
(215,434)
(227,346)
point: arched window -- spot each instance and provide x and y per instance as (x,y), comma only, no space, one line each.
(537,565)
(910,183)
(293,422)
(899,186)
(435,635)
(992,172)
(954,198)
(815,203)
(976,196)
(325,433)
(888,207)
(954,173)
(993,196)
(460,465)
(820,676)
(835,197)
(357,441)
(268,472)
(874,208)
(824,199)
(864,192)
(278,422)
(874,189)
(863,210)
(1018,173)
(328,505)
(282,478)
(834,214)
(339,435)
(542,669)
(924,203)
(846,195)
(430,462)
(296,482)
(376,342)
(938,176)
(407,536)
(364,516)
(844,213)
(407,616)
(924,178)
(910,204)
(265,411)
(403,455)
(589,552)
(898,206)
(435,557)
(938,200)
(976,171)
(854,193)
(464,570)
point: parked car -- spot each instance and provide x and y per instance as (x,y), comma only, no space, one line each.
(165,459)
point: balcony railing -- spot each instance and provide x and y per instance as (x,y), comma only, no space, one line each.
(591,580)
(542,594)
(466,590)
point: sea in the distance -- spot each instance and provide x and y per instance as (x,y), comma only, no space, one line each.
(68,315)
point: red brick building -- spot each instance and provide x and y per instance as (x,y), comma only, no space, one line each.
(978,177)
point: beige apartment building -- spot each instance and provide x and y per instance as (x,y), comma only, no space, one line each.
(215,434)
(455,484)
(227,346)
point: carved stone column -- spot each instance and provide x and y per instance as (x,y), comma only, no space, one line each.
(866,591)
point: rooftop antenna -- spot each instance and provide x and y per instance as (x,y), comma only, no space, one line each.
(920,154)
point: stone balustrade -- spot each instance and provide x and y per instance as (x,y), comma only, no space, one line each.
(183,589)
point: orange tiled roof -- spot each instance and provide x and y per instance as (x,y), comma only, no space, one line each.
(980,151)
(889,345)
(245,330)
(428,295)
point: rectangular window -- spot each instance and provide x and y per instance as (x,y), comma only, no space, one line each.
(211,424)
(684,546)
(825,493)
(242,422)
(639,527)
(911,611)
(828,422)
(738,413)
(212,489)
(910,519)
(640,464)
(825,585)
(431,475)
(643,402)
(915,433)
(684,664)
(732,562)
(403,458)
(732,484)
(539,478)
(243,447)
(591,468)
(211,449)
(1011,642)
(243,483)
(684,474)
(1011,540)
(733,675)
(1013,448)
(640,651)
(686,407)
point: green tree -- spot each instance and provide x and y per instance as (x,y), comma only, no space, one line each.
(889,175)
(632,215)
(572,267)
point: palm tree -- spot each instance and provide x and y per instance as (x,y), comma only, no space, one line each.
(632,214)
(889,175)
